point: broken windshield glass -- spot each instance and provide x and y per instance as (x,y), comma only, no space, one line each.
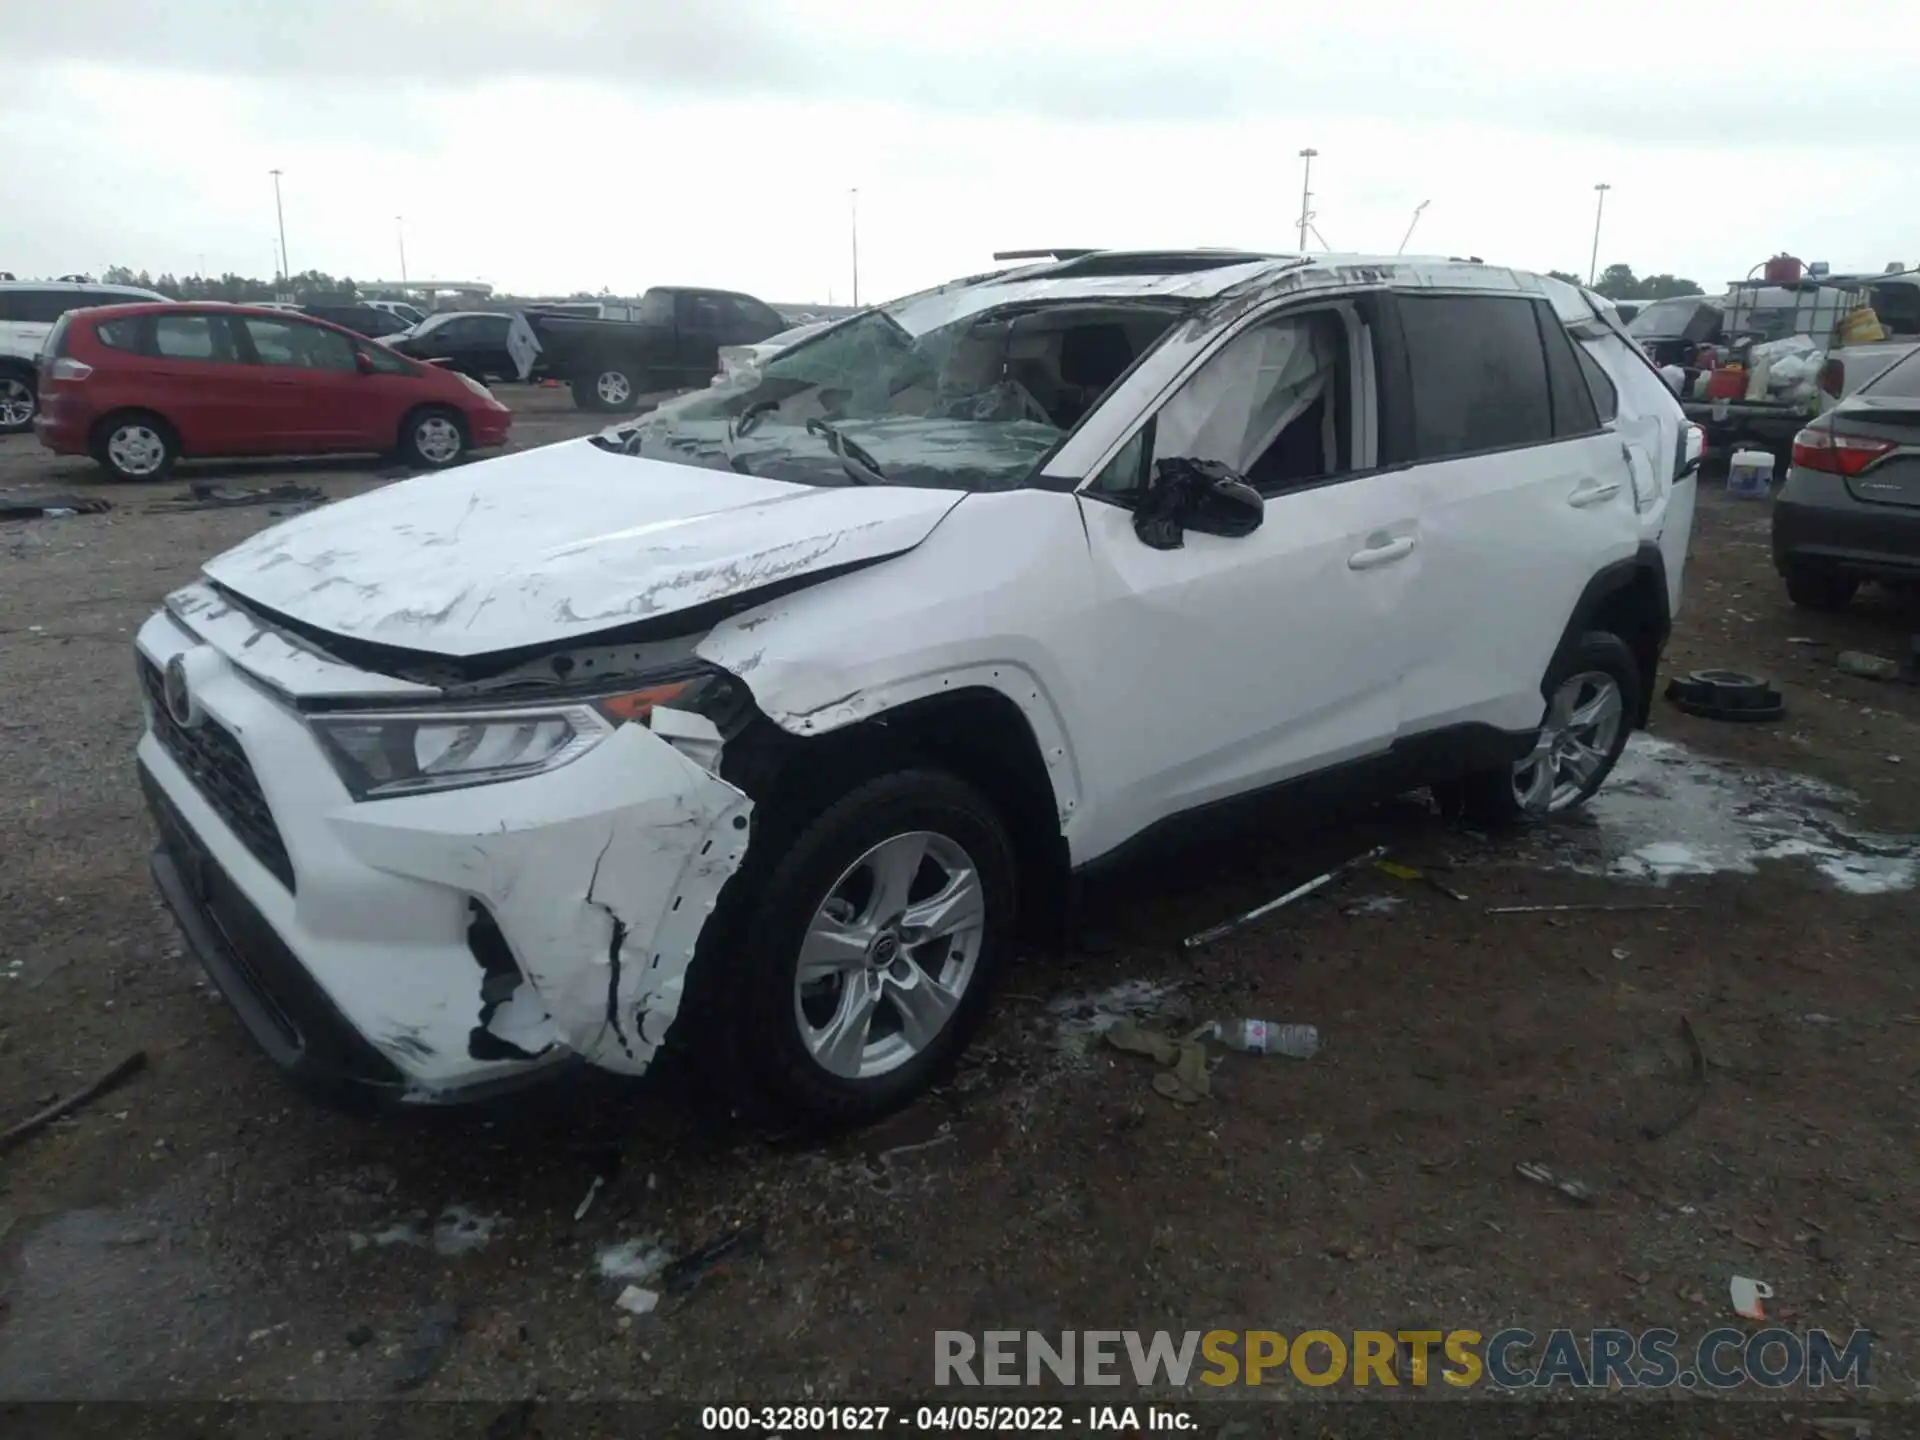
(975,403)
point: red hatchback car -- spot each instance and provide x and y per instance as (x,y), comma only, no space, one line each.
(139,386)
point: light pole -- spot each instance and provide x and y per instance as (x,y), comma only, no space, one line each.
(1306,179)
(281,215)
(400,230)
(853,214)
(1593,264)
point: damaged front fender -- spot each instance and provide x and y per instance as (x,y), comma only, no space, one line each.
(599,884)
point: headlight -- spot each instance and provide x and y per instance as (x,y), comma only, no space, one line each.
(384,754)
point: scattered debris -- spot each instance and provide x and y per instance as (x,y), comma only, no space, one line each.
(51,507)
(256,1336)
(636,1301)
(1867,667)
(1418,877)
(1082,1017)
(1804,640)
(1816,1018)
(1186,1081)
(205,495)
(1560,909)
(1696,1079)
(33,1125)
(683,1274)
(580,1211)
(360,1335)
(1262,1037)
(1725,695)
(1839,1426)
(428,1348)
(1747,1297)
(1374,905)
(1540,1175)
(1299,892)
(639,1259)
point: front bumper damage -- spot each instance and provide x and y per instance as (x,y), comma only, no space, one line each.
(433,947)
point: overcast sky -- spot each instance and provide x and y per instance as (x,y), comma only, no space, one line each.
(575,144)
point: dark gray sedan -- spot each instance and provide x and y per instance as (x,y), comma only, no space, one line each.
(1850,508)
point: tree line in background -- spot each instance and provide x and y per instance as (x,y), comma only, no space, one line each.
(1618,282)
(308,287)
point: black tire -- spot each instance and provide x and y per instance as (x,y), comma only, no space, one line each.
(434,437)
(18,386)
(607,385)
(1489,797)
(1813,586)
(748,1008)
(120,437)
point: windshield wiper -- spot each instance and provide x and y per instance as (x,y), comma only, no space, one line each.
(861,467)
(739,426)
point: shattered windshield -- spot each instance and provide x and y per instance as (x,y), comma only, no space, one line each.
(974,403)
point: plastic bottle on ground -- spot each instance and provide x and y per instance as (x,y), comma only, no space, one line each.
(1267,1037)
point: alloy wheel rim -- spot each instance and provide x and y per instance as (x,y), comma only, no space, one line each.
(438,439)
(889,955)
(613,387)
(16,402)
(1582,723)
(136,450)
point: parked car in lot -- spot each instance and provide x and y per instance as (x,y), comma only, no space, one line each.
(139,386)
(372,321)
(767,726)
(672,342)
(28,310)
(1850,508)
(479,343)
(411,314)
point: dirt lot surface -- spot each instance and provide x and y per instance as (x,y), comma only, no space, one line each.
(204,1232)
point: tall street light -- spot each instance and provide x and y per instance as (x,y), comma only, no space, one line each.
(1593,264)
(281,215)
(853,215)
(400,230)
(1306,179)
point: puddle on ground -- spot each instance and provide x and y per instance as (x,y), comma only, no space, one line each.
(1669,811)
(457,1231)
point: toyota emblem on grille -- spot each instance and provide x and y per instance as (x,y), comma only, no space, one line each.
(180,702)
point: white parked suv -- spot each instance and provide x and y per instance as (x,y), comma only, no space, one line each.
(762,728)
(28,310)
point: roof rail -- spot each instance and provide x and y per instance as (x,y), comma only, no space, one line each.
(1055,254)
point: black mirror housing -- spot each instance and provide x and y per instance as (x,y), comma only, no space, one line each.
(1199,495)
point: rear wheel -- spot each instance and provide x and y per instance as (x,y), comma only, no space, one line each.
(609,385)
(1813,586)
(1591,699)
(19,399)
(135,445)
(863,965)
(433,437)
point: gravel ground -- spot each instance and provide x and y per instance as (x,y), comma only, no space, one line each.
(203,1232)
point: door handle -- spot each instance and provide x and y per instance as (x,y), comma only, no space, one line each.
(1384,554)
(1592,493)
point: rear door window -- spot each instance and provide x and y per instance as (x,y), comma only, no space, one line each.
(192,337)
(294,345)
(38,307)
(1479,374)
(1574,409)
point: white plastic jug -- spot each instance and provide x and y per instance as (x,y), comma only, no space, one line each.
(1750,474)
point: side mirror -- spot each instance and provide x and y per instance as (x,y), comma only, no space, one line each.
(1200,495)
(363,362)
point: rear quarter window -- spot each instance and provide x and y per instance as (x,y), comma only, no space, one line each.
(120,334)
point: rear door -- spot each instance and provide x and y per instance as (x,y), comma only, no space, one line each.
(310,382)
(1524,497)
(192,371)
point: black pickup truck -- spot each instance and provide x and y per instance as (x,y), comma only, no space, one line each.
(671,342)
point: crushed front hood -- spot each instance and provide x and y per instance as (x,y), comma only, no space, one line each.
(564,541)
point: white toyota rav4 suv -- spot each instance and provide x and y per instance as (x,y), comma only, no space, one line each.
(761,725)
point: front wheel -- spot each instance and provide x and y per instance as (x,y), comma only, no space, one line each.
(433,438)
(1591,698)
(867,958)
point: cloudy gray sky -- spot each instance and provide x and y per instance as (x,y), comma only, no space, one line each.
(575,144)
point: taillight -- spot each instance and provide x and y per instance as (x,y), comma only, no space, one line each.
(1833,378)
(65,369)
(1836,454)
